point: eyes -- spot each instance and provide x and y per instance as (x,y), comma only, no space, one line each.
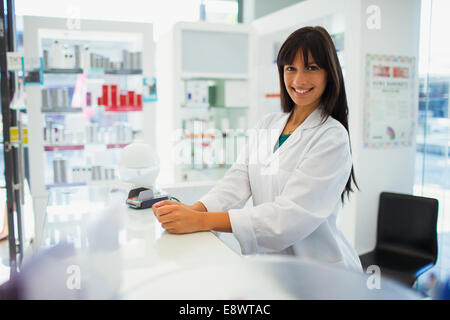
(311,67)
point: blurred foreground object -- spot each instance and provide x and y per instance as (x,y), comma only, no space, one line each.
(66,272)
(261,278)
(139,165)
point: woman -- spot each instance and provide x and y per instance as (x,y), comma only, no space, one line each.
(298,177)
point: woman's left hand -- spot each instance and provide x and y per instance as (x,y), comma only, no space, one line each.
(177,217)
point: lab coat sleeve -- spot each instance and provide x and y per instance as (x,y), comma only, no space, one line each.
(309,197)
(233,190)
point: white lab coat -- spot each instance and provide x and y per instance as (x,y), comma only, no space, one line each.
(296,191)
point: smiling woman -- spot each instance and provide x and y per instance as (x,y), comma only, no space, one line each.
(305,83)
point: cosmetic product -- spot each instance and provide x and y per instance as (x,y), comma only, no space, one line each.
(77,51)
(138,60)
(88,99)
(86,59)
(45,98)
(125,59)
(59,98)
(123,99)
(105,97)
(92,60)
(48,132)
(65,98)
(56,55)
(66,60)
(59,170)
(133,61)
(54,97)
(225,124)
(114,95)
(46,59)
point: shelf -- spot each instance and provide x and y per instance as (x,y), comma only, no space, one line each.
(62,110)
(66,184)
(123,109)
(76,147)
(117,145)
(229,108)
(79,71)
(184,106)
(63,71)
(124,72)
(212,76)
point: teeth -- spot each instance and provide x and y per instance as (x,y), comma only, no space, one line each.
(301,91)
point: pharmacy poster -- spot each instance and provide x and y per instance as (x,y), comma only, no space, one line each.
(389,101)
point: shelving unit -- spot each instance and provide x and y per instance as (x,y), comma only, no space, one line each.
(199,130)
(85,133)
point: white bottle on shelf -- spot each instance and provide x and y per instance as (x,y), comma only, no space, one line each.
(86,59)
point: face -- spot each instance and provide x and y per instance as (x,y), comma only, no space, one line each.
(305,84)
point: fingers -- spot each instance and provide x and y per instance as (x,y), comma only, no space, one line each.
(168,225)
(168,218)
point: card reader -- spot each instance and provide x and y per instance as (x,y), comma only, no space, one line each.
(143,198)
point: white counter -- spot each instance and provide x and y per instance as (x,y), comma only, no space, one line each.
(87,215)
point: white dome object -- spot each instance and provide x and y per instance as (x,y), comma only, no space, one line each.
(138,155)
(138,164)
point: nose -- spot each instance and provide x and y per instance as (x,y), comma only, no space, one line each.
(300,78)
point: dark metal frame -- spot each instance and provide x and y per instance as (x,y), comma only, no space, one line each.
(7,82)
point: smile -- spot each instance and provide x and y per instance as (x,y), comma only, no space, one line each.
(302,92)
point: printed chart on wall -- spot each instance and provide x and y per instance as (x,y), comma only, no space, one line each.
(389,101)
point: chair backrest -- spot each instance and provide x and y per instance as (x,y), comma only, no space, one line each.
(408,224)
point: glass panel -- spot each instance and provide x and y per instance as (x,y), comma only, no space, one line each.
(433,137)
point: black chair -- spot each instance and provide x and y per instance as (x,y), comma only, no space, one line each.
(406,243)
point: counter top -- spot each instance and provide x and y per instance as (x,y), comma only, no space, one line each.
(90,217)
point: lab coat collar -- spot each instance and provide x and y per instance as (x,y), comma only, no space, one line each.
(312,121)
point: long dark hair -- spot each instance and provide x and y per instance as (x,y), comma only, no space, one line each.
(318,42)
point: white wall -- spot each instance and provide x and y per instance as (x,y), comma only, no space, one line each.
(384,170)
(255,9)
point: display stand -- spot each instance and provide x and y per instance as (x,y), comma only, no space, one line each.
(76,129)
(204,99)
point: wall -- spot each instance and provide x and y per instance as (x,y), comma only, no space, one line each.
(254,9)
(396,166)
